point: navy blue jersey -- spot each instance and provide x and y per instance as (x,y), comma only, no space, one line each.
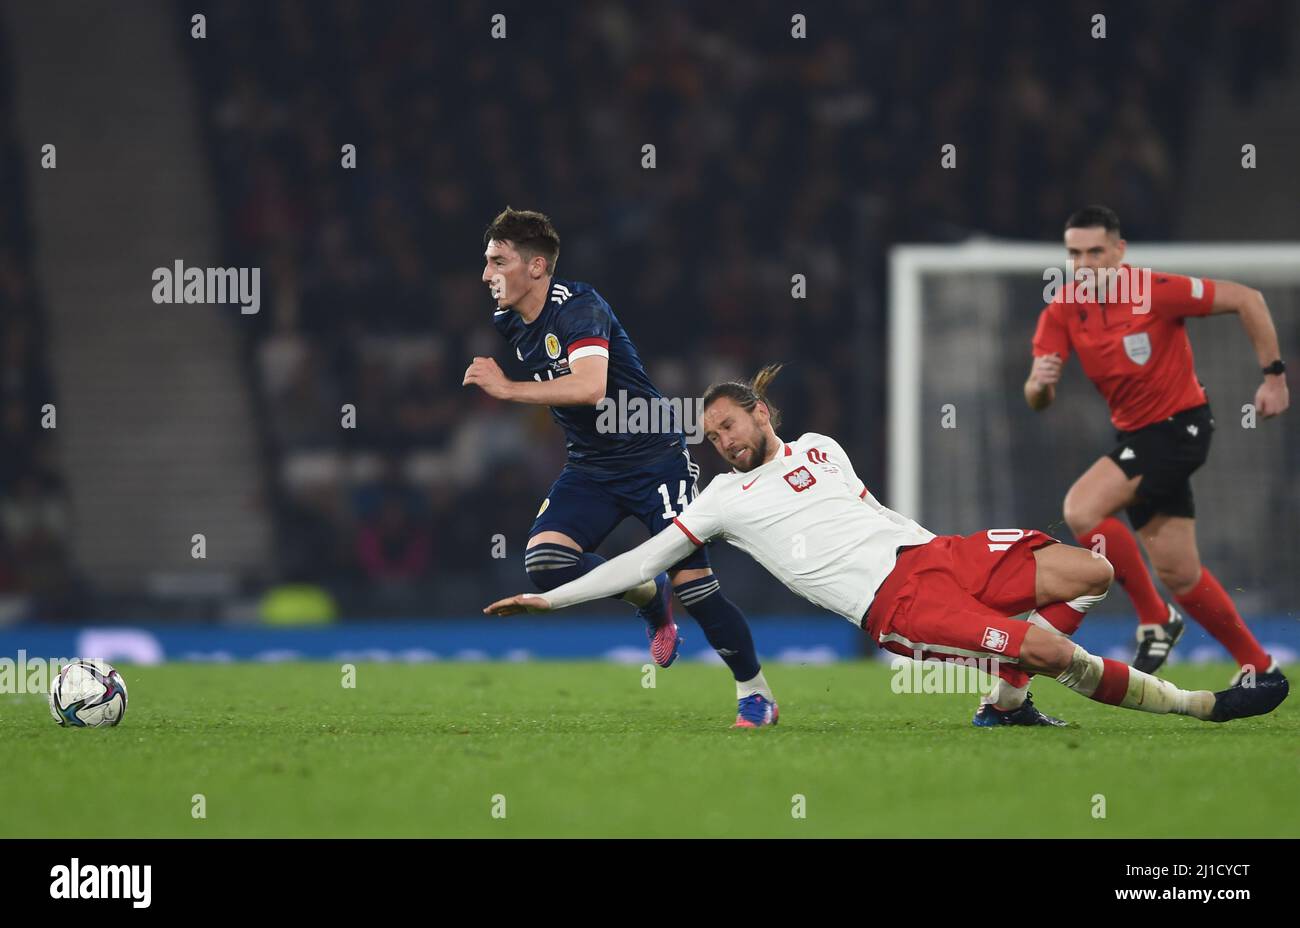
(578,323)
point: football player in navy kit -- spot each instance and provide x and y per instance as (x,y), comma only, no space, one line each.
(579,354)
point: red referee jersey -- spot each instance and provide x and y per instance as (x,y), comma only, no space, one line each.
(1138,356)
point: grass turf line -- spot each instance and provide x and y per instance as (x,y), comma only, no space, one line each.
(583,749)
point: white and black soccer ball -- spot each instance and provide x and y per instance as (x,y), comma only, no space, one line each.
(88,694)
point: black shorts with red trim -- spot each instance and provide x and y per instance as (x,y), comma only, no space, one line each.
(1165,454)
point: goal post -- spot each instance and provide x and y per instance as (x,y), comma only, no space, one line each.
(965,452)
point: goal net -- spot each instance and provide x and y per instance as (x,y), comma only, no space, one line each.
(966,453)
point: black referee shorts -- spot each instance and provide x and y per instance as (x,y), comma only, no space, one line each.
(1165,454)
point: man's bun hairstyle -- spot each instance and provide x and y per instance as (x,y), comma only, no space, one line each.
(747,394)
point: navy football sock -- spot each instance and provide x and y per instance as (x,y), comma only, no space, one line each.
(723,624)
(551,565)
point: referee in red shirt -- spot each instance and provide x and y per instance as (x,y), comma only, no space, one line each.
(1138,356)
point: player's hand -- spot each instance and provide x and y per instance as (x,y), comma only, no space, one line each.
(1046,371)
(513,605)
(1272,397)
(486,373)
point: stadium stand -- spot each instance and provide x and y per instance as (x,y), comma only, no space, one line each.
(773,160)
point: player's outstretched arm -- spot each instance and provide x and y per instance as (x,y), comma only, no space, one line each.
(609,579)
(583,386)
(1040,388)
(1272,396)
(523,602)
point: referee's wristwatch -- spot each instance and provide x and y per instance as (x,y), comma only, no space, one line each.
(1277,367)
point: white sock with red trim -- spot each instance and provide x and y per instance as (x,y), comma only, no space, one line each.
(1116,684)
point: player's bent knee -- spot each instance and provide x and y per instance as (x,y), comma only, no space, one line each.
(688,575)
(1101,574)
(1179,580)
(553,538)
(1078,517)
(1081,572)
(549,565)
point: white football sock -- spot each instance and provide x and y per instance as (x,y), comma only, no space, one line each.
(1143,691)
(1005,696)
(757,685)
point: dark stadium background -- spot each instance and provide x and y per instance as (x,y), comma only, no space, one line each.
(774,157)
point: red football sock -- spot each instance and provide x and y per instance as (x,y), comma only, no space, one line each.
(1013,677)
(1114,682)
(1209,604)
(1130,570)
(1062,616)
(1012,688)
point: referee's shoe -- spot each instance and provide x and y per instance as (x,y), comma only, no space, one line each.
(1156,641)
(1272,675)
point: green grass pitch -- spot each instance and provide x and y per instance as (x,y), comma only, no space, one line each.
(583,749)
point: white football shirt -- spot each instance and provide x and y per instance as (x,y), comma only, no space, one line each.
(808,519)
(804,515)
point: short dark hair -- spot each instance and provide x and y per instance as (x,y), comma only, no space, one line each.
(1092,216)
(746,395)
(530,232)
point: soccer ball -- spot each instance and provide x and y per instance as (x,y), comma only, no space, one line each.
(88,694)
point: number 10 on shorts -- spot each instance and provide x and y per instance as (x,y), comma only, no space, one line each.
(1000,539)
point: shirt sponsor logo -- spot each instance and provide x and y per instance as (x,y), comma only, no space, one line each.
(1138,347)
(800,479)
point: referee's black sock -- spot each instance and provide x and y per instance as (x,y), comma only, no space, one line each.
(723,625)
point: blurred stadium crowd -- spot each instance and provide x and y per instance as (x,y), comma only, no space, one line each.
(774,157)
(33,511)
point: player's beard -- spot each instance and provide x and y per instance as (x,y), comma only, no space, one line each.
(758,456)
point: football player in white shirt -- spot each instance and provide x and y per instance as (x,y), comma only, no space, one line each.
(799,510)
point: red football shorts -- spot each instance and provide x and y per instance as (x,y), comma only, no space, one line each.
(953,597)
